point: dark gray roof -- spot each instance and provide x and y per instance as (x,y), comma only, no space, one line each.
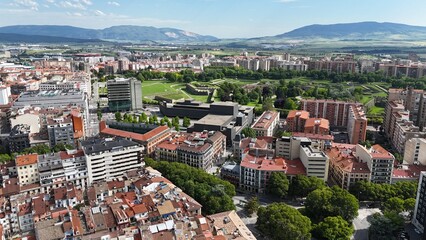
(105,144)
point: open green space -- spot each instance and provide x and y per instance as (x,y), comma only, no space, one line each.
(166,89)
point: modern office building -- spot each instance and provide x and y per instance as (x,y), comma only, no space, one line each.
(124,94)
(109,158)
(19,138)
(315,161)
(419,218)
(60,131)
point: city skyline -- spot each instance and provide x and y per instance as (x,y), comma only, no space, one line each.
(219,18)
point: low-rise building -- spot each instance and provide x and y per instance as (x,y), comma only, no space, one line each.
(266,124)
(317,126)
(256,169)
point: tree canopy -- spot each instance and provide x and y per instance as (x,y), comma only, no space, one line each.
(368,191)
(278,184)
(248,132)
(333,228)
(326,202)
(385,227)
(281,222)
(213,193)
(302,185)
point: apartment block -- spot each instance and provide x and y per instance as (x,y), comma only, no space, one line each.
(256,169)
(404,131)
(26,166)
(317,126)
(379,161)
(200,150)
(339,114)
(296,120)
(392,106)
(19,138)
(357,124)
(345,168)
(60,131)
(108,158)
(415,151)
(266,124)
(242,146)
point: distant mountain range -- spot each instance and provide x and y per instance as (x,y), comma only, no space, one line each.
(115,33)
(128,33)
(361,30)
(21,38)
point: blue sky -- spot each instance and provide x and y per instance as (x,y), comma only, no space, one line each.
(220,18)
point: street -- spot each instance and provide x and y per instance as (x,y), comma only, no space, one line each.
(361,223)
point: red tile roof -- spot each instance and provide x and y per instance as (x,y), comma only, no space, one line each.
(135,136)
(262,163)
(24,160)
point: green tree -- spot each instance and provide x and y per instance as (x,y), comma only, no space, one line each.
(62,147)
(268,105)
(248,132)
(333,228)
(326,202)
(39,149)
(281,222)
(142,117)
(4,157)
(118,117)
(302,185)
(409,204)
(290,104)
(186,122)
(394,204)
(155,118)
(384,227)
(175,121)
(278,184)
(177,127)
(252,205)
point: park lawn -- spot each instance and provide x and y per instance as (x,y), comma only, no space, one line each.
(171,90)
(376,111)
(365,99)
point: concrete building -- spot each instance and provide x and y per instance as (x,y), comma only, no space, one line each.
(340,114)
(124,94)
(26,166)
(108,158)
(345,168)
(296,120)
(379,161)
(4,95)
(19,138)
(404,131)
(357,124)
(317,126)
(243,146)
(200,150)
(419,218)
(148,136)
(392,106)
(60,131)
(338,65)
(256,169)
(315,162)
(52,98)
(266,124)
(415,151)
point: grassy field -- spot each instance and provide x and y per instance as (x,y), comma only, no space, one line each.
(171,90)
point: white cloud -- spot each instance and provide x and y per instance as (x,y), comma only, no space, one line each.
(74,14)
(50,1)
(99,13)
(30,4)
(72,4)
(114,4)
(86,2)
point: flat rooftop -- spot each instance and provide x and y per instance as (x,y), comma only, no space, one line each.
(217,120)
(106,144)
